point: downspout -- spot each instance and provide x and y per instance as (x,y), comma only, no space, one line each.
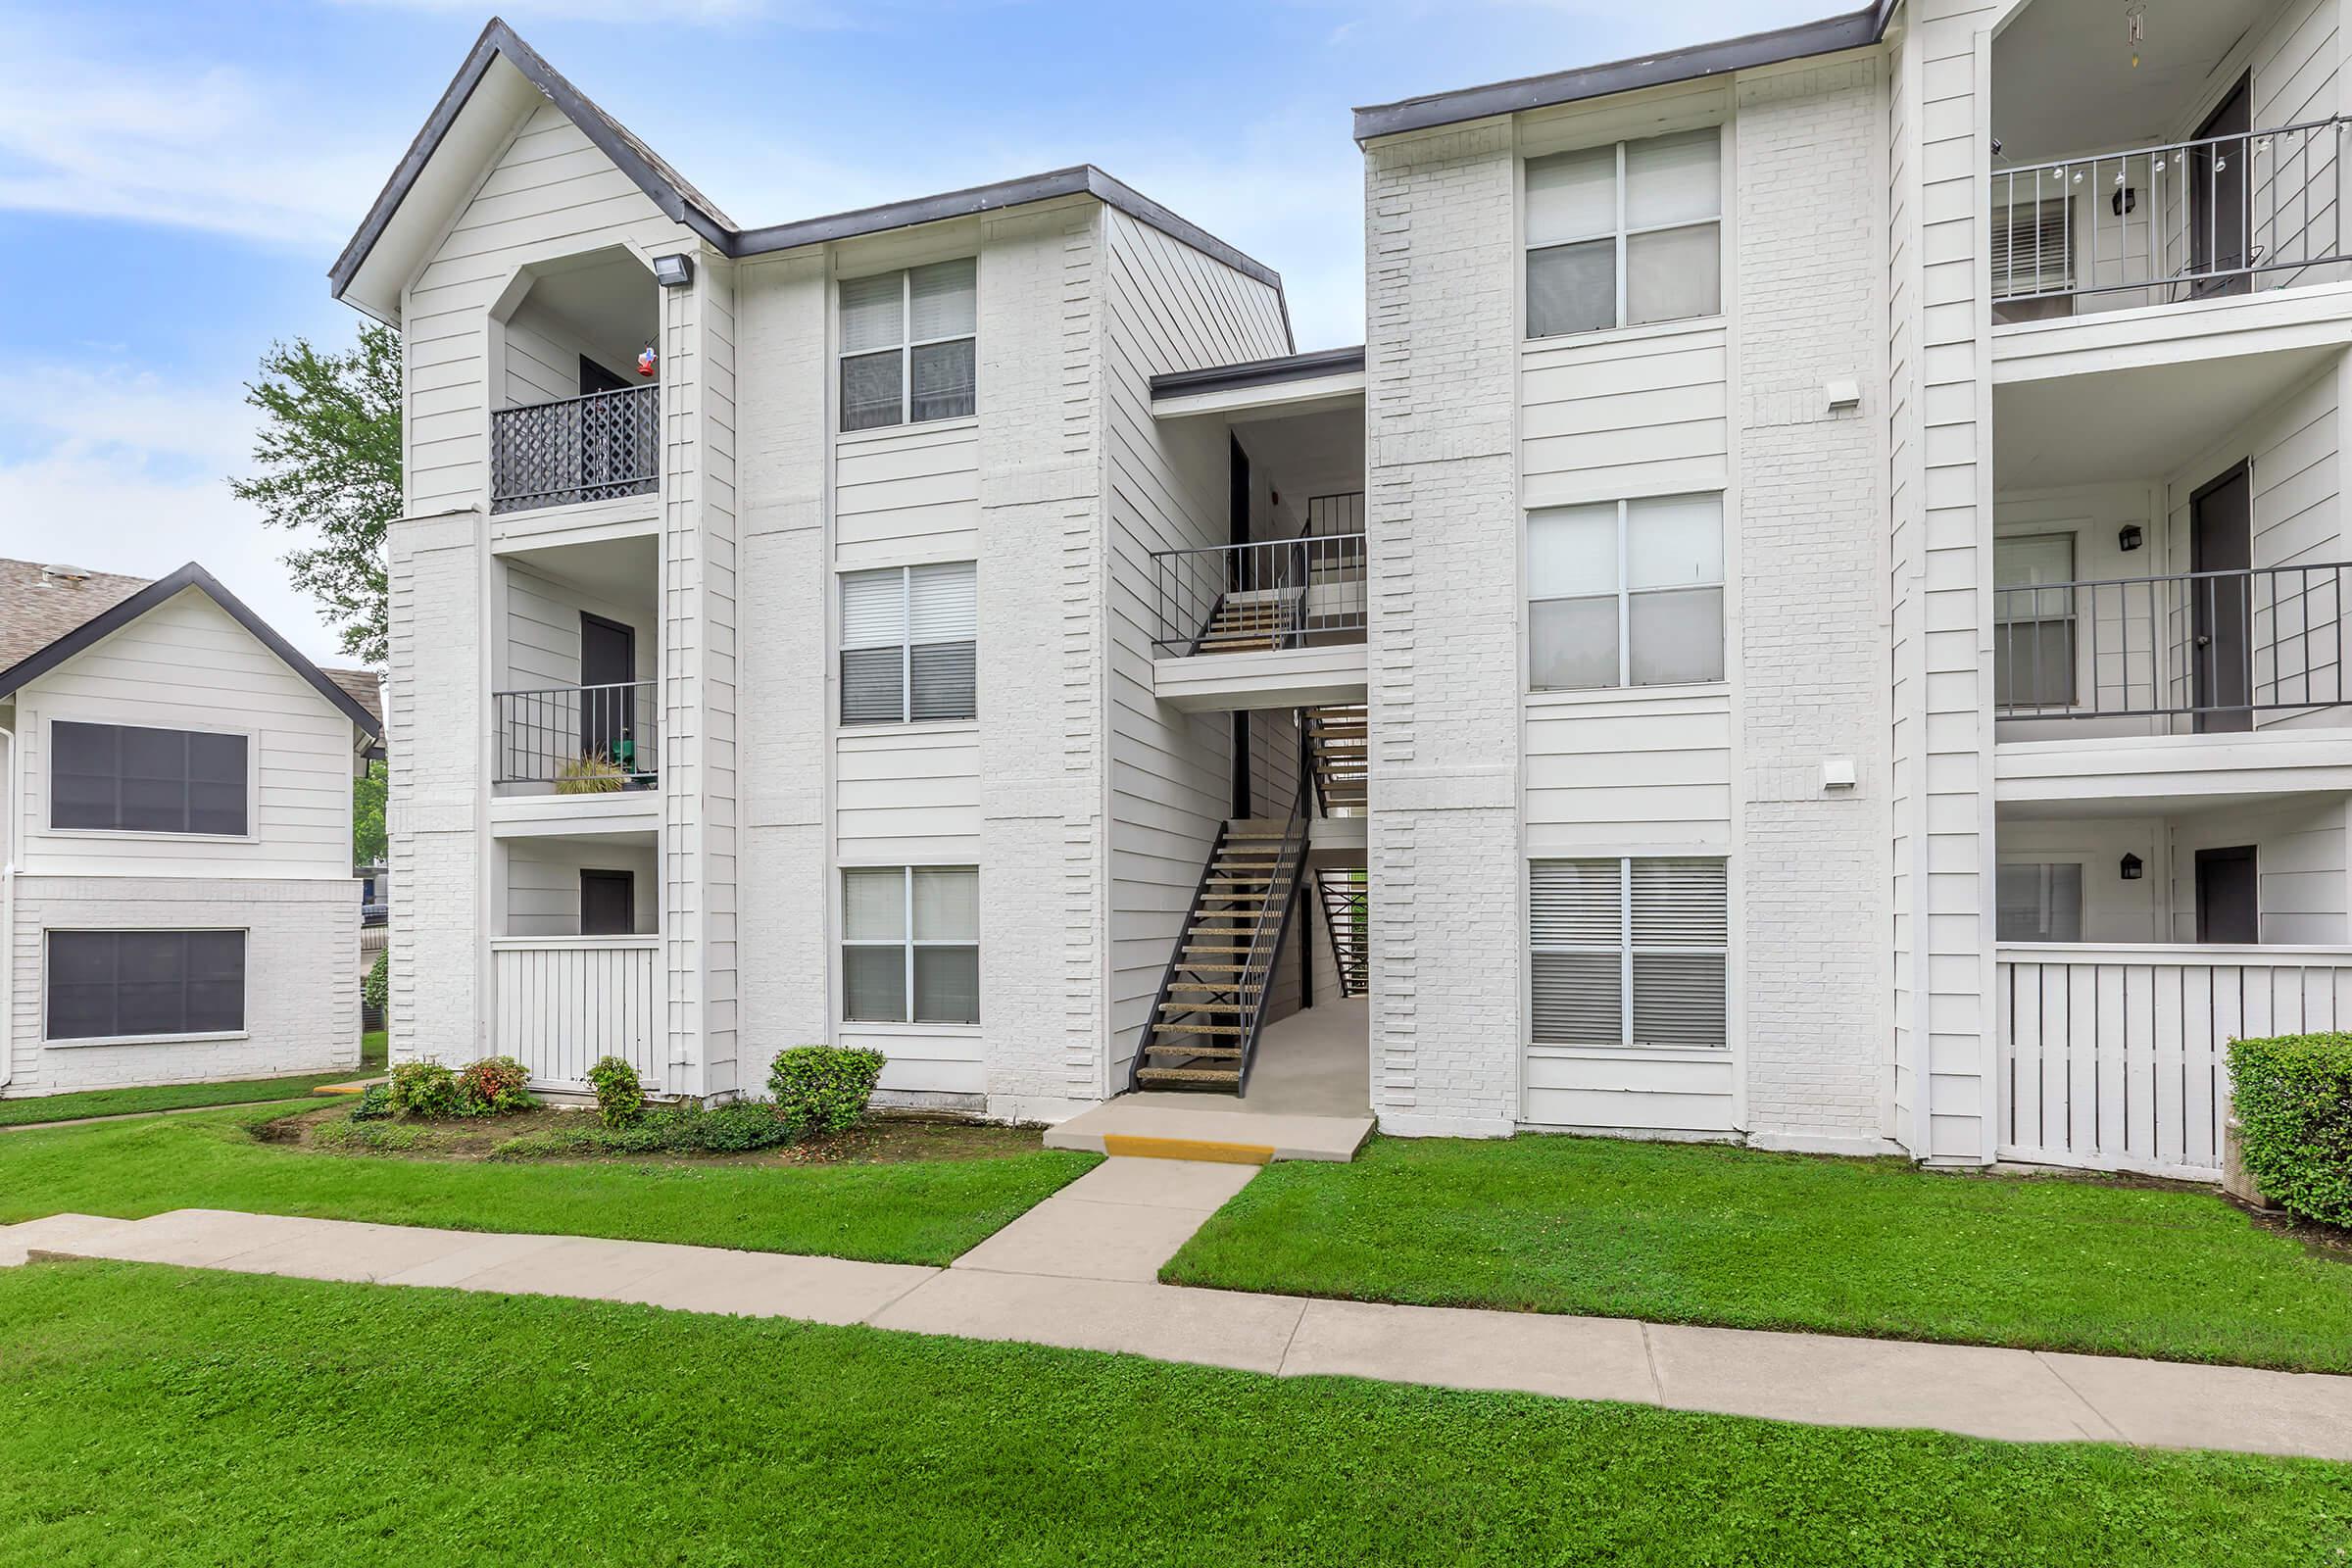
(8,909)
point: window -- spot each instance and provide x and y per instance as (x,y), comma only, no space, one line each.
(2029,247)
(1625,234)
(910,945)
(907,345)
(1625,593)
(124,778)
(909,648)
(105,985)
(1628,951)
(2042,902)
(2033,627)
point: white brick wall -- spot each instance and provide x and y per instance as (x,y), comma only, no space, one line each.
(1812,866)
(1442,518)
(301,1008)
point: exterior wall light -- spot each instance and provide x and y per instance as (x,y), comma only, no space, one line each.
(673,271)
(2133,868)
(2128,537)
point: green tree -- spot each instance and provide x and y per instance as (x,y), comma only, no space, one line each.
(328,460)
(367,816)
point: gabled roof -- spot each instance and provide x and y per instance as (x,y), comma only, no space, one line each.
(123,609)
(39,603)
(683,204)
(1852,30)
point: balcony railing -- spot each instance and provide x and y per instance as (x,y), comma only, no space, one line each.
(560,1004)
(2182,221)
(1259,598)
(594,448)
(2216,646)
(582,740)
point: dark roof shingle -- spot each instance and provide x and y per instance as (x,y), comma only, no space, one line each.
(39,603)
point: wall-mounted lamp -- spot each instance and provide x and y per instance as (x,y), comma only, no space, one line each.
(2126,200)
(2128,537)
(2133,868)
(673,271)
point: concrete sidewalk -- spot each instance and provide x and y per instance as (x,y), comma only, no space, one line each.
(1080,1271)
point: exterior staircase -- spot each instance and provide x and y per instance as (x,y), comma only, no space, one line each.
(1248,624)
(1346,920)
(1211,1004)
(1339,753)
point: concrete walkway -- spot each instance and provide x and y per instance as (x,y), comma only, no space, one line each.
(1079,1271)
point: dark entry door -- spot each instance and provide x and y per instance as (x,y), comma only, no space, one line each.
(608,707)
(608,903)
(594,378)
(2229,905)
(2220,608)
(2218,240)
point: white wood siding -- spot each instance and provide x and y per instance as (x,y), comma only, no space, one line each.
(564,1004)
(1634,414)
(543,632)
(543,884)
(2299,863)
(1620,770)
(908,795)
(908,494)
(1167,308)
(187,663)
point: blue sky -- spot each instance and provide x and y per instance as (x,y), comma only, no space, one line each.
(176,177)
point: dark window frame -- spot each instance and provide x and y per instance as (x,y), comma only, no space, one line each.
(247,742)
(208,1029)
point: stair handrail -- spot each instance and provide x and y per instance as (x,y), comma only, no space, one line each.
(1167,976)
(1284,876)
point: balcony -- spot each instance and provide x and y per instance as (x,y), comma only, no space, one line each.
(1277,623)
(579,740)
(2195,652)
(559,1004)
(600,447)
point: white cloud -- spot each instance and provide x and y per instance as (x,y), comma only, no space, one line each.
(126,474)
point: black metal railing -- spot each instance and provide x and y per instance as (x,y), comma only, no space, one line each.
(2218,646)
(2182,221)
(594,448)
(583,740)
(1273,594)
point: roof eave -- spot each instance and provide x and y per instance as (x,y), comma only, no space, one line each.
(116,616)
(1855,30)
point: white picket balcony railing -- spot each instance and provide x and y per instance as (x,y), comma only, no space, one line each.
(563,1004)
(2115,1058)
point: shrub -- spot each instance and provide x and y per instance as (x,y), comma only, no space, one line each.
(589,775)
(376,989)
(375,1103)
(744,1125)
(424,1089)
(620,1096)
(494,1086)
(823,1089)
(2293,1102)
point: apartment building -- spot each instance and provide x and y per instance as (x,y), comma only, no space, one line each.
(1813,617)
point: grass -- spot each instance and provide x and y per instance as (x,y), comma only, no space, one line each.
(912,1213)
(165,1096)
(167,1415)
(1704,1233)
(375,1049)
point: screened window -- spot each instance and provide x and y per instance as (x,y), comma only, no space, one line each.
(132,780)
(908,346)
(2030,246)
(909,643)
(910,945)
(2042,902)
(2034,623)
(1625,234)
(103,984)
(1628,951)
(1625,593)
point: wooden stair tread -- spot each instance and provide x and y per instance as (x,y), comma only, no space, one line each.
(1188,1075)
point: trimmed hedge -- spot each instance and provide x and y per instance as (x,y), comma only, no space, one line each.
(823,1089)
(2293,1102)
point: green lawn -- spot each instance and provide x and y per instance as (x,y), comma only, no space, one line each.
(916,1212)
(160,1416)
(168,1097)
(374,1048)
(1686,1233)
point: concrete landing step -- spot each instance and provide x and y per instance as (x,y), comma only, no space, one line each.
(1242,1138)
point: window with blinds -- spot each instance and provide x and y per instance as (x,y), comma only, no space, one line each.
(910,945)
(2034,646)
(909,345)
(1625,593)
(2032,248)
(1625,234)
(137,985)
(1629,952)
(129,778)
(909,643)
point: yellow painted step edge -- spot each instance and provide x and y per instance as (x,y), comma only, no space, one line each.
(1130,1146)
